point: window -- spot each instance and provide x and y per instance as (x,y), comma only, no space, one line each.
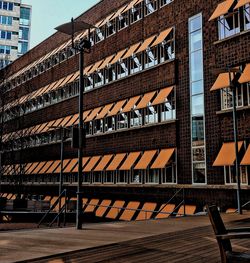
(98,126)
(136,118)
(136,176)
(22,47)
(122,69)
(227,98)
(109,124)
(108,177)
(150,6)
(122,121)
(5,49)
(25,16)
(97,177)
(110,73)
(151,115)
(110,27)
(122,177)
(229,25)
(168,174)
(135,63)
(230,175)
(98,78)
(88,83)
(165,2)
(6,5)
(24,33)
(167,49)
(197,100)
(86,178)
(99,34)
(6,20)
(136,13)
(153,176)
(150,57)
(123,20)
(5,35)
(246,12)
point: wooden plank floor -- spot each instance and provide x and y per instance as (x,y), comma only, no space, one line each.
(188,244)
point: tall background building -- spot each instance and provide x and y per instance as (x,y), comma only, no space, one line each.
(14,30)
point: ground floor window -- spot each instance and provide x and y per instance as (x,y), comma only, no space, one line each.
(168,174)
(122,177)
(86,178)
(230,175)
(108,177)
(136,176)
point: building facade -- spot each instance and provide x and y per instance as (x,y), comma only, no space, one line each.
(15,30)
(157,105)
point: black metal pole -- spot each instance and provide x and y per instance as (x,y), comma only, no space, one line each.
(80,150)
(235,126)
(61,174)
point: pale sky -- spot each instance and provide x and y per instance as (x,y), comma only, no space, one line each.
(47,14)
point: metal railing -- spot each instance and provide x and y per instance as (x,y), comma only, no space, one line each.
(62,209)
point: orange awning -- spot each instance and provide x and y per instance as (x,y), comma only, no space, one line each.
(145,159)
(106,20)
(145,100)
(163,35)
(116,162)
(226,156)
(93,114)
(130,160)
(45,167)
(39,167)
(84,161)
(163,158)
(53,167)
(32,168)
(245,77)
(65,163)
(131,50)
(241,3)
(104,111)
(65,121)
(58,84)
(75,76)
(96,66)
(73,120)
(86,114)
(162,96)
(118,56)
(130,104)
(246,158)
(221,9)
(222,81)
(116,108)
(106,62)
(103,163)
(118,13)
(131,4)
(58,122)
(66,79)
(70,166)
(145,44)
(91,164)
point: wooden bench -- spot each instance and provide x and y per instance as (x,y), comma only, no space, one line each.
(224,235)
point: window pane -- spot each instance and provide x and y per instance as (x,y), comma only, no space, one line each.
(195,24)
(197,105)
(197,87)
(196,40)
(196,66)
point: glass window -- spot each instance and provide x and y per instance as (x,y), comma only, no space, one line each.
(22,47)
(136,176)
(122,177)
(151,115)
(168,174)
(99,34)
(227,98)
(122,69)
(122,121)
(197,87)
(165,2)
(136,63)
(246,16)
(197,131)
(123,20)
(229,25)
(135,118)
(136,13)
(24,16)
(6,20)
(150,57)
(150,6)
(197,105)
(230,175)
(24,33)
(199,173)
(197,65)
(110,28)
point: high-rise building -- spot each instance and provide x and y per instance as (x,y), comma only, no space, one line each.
(157,106)
(14,30)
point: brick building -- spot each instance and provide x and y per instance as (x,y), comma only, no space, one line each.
(157,114)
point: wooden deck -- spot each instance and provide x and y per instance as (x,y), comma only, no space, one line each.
(170,240)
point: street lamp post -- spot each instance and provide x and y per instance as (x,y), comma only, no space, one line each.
(83,46)
(234,84)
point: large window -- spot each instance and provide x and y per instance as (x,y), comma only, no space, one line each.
(23,33)
(136,13)
(25,16)
(5,34)
(6,5)
(5,49)
(22,47)
(197,100)
(6,20)
(230,175)
(227,98)
(246,16)
(150,6)
(229,25)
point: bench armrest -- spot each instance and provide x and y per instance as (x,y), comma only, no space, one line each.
(245,229)
(236,235)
